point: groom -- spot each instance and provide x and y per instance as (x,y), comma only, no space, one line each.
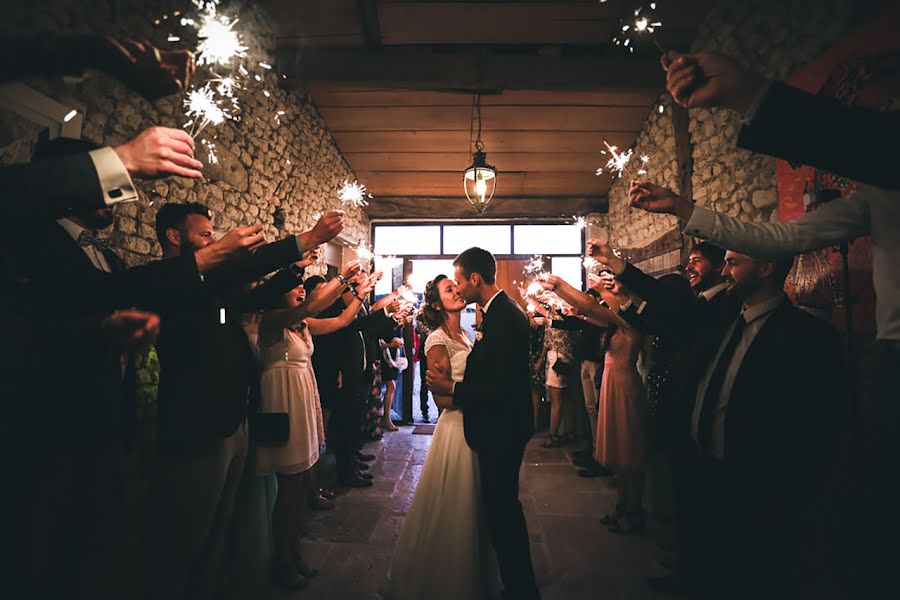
(496,400)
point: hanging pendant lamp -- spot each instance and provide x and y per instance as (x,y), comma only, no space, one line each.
(480,178)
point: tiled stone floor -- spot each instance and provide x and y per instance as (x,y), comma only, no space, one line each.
(574,555)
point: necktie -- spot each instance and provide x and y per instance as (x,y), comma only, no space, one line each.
(86,238)
(714,387)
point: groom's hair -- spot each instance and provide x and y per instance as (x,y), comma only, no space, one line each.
(476,260)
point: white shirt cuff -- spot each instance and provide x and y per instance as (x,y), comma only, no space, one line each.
(701,223)
(625,305)
(641,308)
(114,178)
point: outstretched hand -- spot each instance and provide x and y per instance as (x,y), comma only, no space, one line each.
(707,80)
(657,199)
(159,152)
(603,253)
(151,72)
(325,230)
(132,329)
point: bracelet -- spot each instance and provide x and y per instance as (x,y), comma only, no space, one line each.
(355,293)
(341,278)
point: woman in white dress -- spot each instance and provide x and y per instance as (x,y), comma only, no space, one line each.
(444,551)
(288,385)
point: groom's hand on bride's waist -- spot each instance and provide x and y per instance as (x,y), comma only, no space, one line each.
(439,381)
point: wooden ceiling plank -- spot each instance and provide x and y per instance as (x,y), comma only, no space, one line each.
(494,141)
(523,118)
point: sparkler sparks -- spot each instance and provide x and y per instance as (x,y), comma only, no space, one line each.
(644,22)
(210,151)
(219,42)
(643,168)
(201,106)
(353,193)
(618,162)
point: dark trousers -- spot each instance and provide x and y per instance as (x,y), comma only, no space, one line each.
(505,519)
(347,418)
(881,485)
(423,389)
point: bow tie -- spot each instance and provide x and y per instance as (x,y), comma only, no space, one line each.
(86,238)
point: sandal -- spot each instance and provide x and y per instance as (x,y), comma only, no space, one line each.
(320,502)
(611,518)
(630,523)
(552,442)
(305,570)
(391,427)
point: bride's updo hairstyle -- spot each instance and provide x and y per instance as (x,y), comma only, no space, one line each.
(432,312)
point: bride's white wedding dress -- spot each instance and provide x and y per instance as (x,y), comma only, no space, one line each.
(444,551)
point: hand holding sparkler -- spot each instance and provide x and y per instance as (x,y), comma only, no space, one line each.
(549,281)
(158,152)
(325,230)
(131,329)
(657,199)
(706,79)
(351,269)
(603,253)
(151,72)
(235,243)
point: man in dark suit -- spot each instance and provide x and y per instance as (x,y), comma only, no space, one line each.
(495,396)
(766,392)
(207,367)
(353,351)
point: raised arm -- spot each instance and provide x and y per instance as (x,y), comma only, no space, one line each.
(325,295)
(840,220)
(586,304)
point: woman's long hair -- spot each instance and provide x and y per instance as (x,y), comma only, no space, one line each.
(432,313)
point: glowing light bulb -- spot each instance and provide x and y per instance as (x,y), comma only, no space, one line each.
(480,187)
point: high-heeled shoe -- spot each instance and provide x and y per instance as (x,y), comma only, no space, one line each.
(630,523)
(286,576)
(552,442)
(305,570)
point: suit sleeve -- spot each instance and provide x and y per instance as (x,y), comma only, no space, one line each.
(267,294)
(802,128)
(506,366)
(375,324)
(52,188)
(263,261)
(569,324)
(664,306)
(840,220)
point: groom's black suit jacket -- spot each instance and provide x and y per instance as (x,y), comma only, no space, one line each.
(496,394)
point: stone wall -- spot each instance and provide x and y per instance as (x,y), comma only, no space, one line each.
(775,38)
(293,153)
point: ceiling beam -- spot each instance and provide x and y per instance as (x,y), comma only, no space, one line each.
(394,207)
(484,68)
(368,12)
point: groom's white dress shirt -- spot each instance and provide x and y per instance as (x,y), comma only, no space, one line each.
(867,211)
(487,304)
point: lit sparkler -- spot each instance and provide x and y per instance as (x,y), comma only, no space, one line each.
(201,105)
(617,163)
(644,22)
(353,193)
(210,151)
(219,42)
(580,222)
(642,170)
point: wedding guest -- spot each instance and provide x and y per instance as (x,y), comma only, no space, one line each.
(621,423)
(538,361)
(421,336)
(207,367)
(288,385)
(561,370)
(390,373)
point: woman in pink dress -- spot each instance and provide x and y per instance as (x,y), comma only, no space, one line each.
(288,385)
(622,420)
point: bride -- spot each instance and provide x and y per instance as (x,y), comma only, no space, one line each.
(444,551)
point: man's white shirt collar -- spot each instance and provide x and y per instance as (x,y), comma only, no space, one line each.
(488,303)
(709,294)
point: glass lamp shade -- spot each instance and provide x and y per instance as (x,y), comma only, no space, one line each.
(480,181)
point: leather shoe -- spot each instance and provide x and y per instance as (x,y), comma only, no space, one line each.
(362,457)
(355,481)
(361,466)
